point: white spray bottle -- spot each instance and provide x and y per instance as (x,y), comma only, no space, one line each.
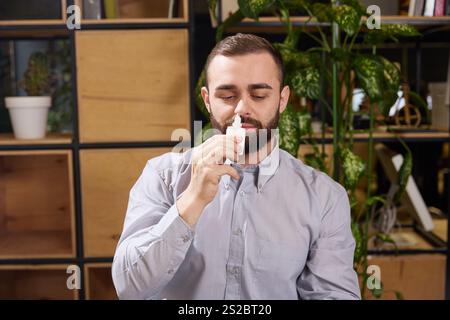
(236,130)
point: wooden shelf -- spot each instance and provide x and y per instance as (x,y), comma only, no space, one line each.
(99,284)
(35,282)
(383,135)
(37,204)
(7,139)
(273,24)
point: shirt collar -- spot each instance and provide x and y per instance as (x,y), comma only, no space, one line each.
(266,168)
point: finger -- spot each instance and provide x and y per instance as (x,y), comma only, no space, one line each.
(220,154)
(223,169)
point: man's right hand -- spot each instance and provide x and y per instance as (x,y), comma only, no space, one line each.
(206,171)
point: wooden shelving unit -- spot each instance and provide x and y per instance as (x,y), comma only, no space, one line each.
(77,185)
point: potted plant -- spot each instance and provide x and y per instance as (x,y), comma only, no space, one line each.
(327,73)
(29,113)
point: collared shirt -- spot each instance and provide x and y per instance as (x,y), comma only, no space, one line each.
(281,232)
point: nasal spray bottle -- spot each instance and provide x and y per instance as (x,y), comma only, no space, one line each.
(236,130)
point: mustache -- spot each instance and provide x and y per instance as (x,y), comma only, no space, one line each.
(247,120)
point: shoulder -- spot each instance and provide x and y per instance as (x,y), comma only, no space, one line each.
(320,185)
(169,166)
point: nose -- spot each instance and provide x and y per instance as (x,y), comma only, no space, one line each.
(243,108)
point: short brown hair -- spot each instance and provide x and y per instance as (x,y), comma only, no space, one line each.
(242,44)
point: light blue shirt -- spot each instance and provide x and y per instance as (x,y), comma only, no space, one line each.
(281,232)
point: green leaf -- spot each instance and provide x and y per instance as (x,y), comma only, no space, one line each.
(355,4)
(212,5)
(369,72)
(347,18)
(353,167)
(201,82)
(385,238)
(375,199)
(340,55)
(299,5)
(404,173)
(323,12)
(253,8)
(391,75)
(232,20)
(390,31)
(294,59)
(400,30)
(356,231)
(289,131)
(304,122)
(305,82)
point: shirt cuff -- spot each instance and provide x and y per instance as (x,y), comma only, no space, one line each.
(173,229)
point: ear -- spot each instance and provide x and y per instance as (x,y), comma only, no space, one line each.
(284,98)
(205,96)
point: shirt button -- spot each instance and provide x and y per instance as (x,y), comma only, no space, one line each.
(237,232)
(242,193)
(170,271)
(227,186)
(236,270)
(186,238)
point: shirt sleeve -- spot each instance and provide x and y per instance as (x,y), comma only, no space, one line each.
(329,273)
(154,240)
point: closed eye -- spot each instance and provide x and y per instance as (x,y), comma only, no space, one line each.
(227,98)
(258,97)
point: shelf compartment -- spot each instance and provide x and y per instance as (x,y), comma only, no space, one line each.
(99,284)
(35,282)
(29,18)
(416,277)
(141,11)
(126,90)
(36,204)
(35,27)
(107,176)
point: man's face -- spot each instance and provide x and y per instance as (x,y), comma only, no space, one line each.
(248,85)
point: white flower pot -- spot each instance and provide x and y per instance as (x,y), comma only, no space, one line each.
(28,116)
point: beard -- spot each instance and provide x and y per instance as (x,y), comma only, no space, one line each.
(255,139)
